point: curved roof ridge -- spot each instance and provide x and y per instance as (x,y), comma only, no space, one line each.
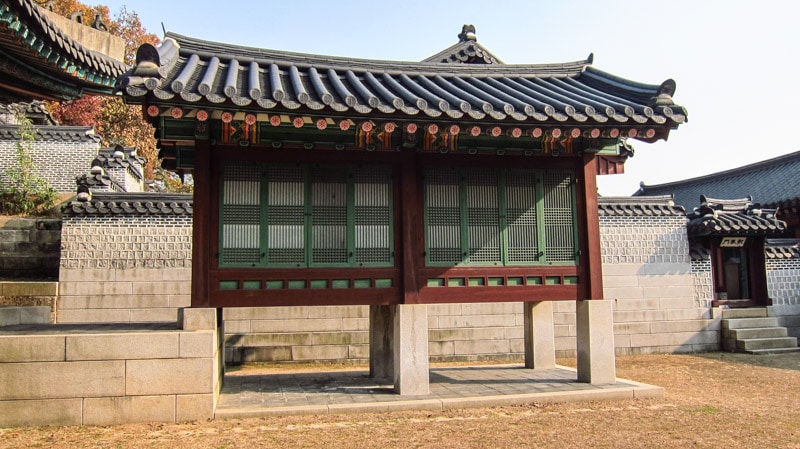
(722,174)
(224,51)
(65,41)
(655,199)
(195,73)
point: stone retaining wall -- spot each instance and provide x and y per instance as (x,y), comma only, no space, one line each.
(73,376)
(27,302)
(30,248)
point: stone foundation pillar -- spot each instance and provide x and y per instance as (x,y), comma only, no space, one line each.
(540,342)
(410,348)
(595,329)
(381,332)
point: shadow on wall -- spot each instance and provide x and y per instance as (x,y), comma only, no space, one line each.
(30,249)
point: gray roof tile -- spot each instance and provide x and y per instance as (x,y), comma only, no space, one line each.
(215,75)
(641,207)
(774,183)
(87,67)
(130,204)
(733,218)
(782,249)
(49,133)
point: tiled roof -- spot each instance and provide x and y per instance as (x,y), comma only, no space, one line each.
(120,157)
(53,133)
(641,207)
(782,249)
(29,36)
(95,179)
(733,218)
(774,183)
(190,71)
(36,111)
(130,204)
(699,252)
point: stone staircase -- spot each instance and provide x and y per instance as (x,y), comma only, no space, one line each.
(754,332)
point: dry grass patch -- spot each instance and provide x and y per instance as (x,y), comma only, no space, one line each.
(712,400)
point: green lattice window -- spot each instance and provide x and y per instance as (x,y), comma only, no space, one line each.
(499,217)
(285,215)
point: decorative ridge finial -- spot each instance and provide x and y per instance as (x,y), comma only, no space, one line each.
(467,33)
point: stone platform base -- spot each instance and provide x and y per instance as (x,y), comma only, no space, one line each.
(103,374)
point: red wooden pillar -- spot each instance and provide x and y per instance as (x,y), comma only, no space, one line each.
(758,272)
(201,219)
(411,210)
(590,248)
(717,267)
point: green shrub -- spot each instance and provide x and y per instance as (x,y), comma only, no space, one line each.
(22,191)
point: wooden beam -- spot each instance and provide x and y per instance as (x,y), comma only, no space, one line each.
(201,223)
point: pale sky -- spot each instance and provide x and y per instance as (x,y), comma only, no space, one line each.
(735,62)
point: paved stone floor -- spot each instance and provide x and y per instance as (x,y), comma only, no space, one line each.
(249,394)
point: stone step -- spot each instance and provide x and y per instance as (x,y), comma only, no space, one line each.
(773,351)
(757,312)
(755,332)
(749,323)
(766,343)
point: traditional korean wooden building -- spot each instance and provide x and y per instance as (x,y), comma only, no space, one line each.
(740,211)
(44,56)
(732,233)
(328,181)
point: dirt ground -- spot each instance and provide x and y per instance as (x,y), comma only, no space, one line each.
(716,400)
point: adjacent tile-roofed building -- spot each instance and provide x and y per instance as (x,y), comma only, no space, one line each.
(131,204)
(648,206)
(35,111)
(206,74)
(773,183)
(117,169)
(739,217)
(39,59)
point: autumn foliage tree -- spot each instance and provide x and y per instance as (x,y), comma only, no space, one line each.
(114,121)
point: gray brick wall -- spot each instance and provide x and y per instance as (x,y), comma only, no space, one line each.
(647,240)
(703,288)
(126,242)
(138,269)
(58,162)
(126,178)
(783,281)
(124,269)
